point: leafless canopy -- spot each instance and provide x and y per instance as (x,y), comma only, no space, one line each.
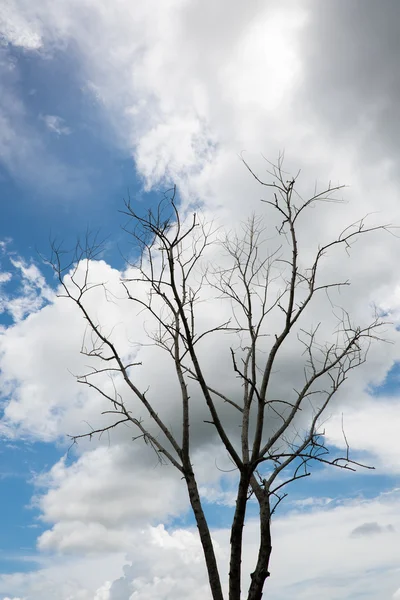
(173,267)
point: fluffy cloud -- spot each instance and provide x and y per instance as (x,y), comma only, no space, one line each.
(99,501)
(66,578)
(336,564)
(371,427)
(17,29)
(169,564)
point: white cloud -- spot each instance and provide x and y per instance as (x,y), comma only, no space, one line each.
(168,565)
(103,593)
(29,293)
(372,427)
(5,277)
(65,578)
(33,292)
(99,501)
(317,554)
(17,29)
(56,124)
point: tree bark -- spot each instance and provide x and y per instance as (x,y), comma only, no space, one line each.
(236,541)
(261,571)
(205,536)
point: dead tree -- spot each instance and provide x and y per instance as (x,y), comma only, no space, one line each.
(172,265)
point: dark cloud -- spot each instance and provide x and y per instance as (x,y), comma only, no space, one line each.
(367,529)
(351,78)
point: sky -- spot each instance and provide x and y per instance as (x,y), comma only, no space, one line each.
(102,101)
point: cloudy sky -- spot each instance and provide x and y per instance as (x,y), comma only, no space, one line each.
(102,99)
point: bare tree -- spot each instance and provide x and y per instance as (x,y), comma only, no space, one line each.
(268,294)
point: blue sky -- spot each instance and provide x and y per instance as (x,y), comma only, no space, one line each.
(100,102)
(19,524)
(80,174)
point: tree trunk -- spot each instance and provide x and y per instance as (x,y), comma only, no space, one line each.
(236,541)
(261,572)
(205,536)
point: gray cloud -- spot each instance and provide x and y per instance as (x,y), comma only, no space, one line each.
(350,71)
(368,529)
